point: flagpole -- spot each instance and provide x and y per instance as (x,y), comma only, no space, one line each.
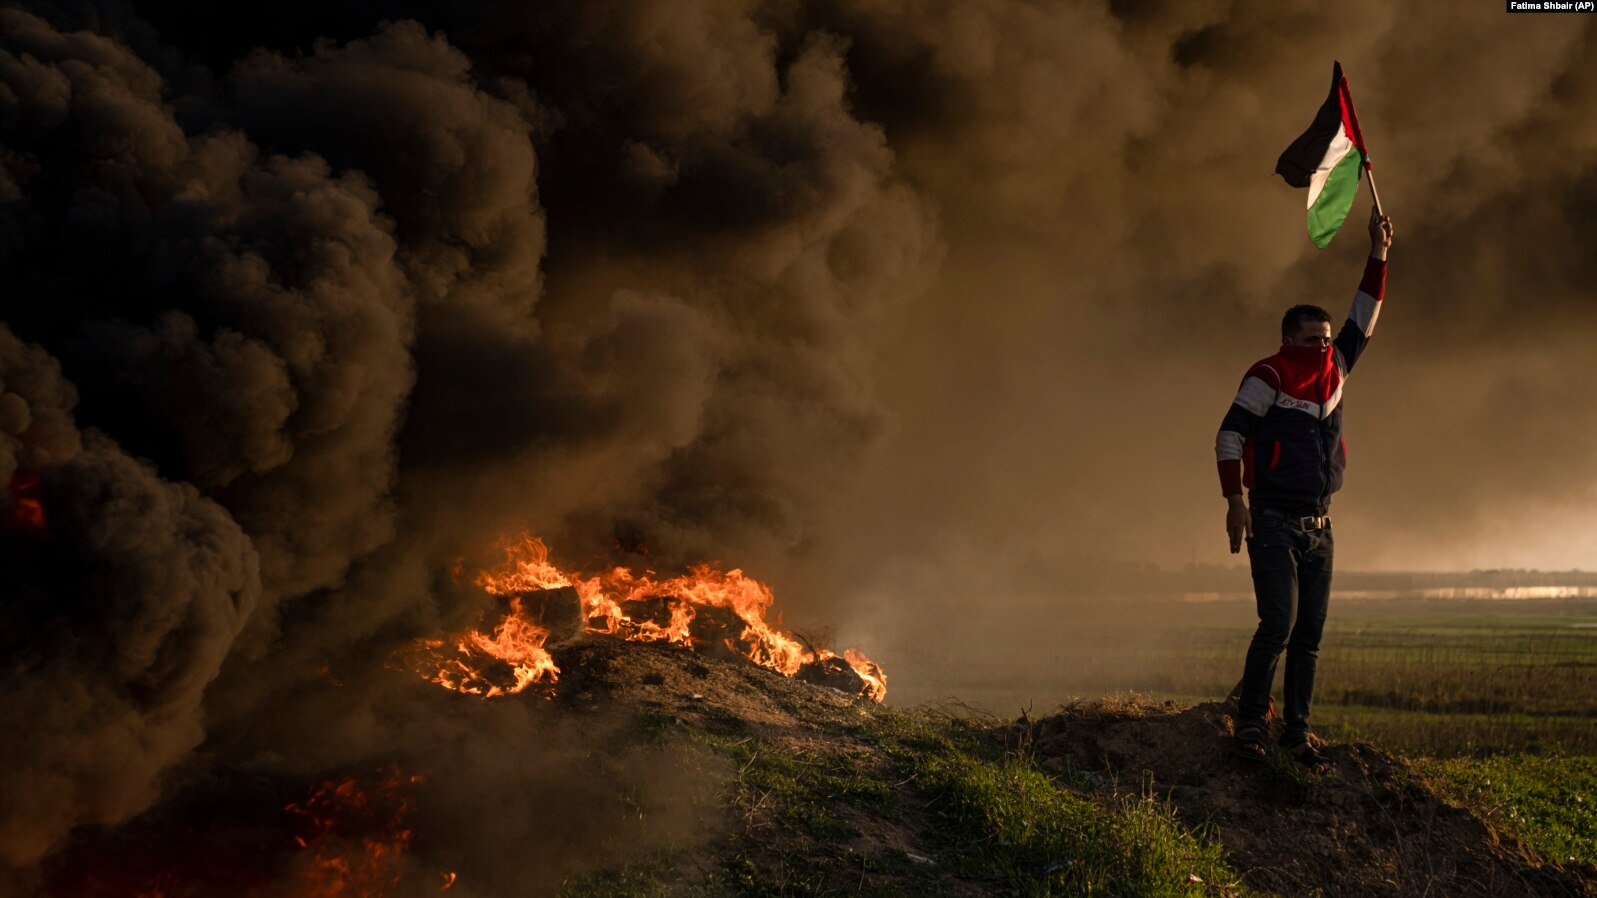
(1358,135)
(1370,170)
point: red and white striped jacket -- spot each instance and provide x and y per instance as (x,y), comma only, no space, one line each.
(1282,437)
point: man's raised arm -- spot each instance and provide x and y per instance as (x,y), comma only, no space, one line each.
(1355,334)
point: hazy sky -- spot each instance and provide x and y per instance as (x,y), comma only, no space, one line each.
(1119,253)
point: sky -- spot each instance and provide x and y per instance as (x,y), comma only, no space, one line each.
(887,303)
(1119,254)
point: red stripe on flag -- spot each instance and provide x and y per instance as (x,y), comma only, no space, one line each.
(1350,119)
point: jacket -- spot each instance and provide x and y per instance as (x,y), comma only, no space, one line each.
(1282,437)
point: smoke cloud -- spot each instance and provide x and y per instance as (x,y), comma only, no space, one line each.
(116,617)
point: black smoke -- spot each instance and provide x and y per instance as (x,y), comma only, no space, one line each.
(292,336)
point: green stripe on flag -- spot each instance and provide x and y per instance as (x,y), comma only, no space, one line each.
(1336,198)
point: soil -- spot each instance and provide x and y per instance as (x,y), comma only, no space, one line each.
(1363,825)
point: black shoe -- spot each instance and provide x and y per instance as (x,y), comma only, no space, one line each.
(1306,754)
(1249,744)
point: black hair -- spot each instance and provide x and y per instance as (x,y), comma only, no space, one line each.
(1293,320)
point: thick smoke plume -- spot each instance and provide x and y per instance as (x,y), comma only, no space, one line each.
(894,305)
(304,303)
(116,616)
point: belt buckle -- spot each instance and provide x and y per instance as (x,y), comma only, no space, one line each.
(1313,522)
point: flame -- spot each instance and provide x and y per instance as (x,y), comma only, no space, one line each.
(605,601)
(26,514)
(517,642)
(875,678)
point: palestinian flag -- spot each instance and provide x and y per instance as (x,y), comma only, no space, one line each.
(1329,159)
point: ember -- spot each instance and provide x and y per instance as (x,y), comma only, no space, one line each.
(347,837)
(354,835)
(26,511)
(706,609)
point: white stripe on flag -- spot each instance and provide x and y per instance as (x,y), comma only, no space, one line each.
(1340,146)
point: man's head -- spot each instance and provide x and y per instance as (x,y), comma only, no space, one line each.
(1306,326)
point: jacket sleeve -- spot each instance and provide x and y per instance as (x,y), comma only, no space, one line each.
(1355,334)
(1254,398)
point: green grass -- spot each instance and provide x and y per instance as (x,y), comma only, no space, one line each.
(650,877)
(1438,678)
(1546,802)
(1430,734)
(810,789)
(993,816)
(1498,700)
(1456,676)
(1499,697)
(902,804)
(1006,820)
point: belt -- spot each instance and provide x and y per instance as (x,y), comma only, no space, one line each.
(1305,522)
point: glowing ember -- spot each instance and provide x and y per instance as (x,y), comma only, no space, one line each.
(614,603)
(354,836)
(347,837)
(26,514)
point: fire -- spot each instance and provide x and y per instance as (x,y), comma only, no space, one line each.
(875,678)
(26,514)
(637,607)
(345,837)
(354,835)
(516,641)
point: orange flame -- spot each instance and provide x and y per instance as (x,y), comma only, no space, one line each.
(605,600)
(875,678)
(516,641)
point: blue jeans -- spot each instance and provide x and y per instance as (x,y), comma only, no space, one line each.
(1292,586)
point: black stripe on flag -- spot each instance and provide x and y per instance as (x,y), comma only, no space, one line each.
(1300,160)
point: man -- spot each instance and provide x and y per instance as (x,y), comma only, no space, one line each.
(1282,440)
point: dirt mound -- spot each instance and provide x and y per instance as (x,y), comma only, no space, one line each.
(670,772)
(1365,825)
(708,693)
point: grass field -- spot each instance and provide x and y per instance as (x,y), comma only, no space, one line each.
(1546,800)
(1498,699)
(1438,678)
(828,796)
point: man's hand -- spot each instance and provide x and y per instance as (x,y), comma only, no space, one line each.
(1237,522)
(1380,234)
